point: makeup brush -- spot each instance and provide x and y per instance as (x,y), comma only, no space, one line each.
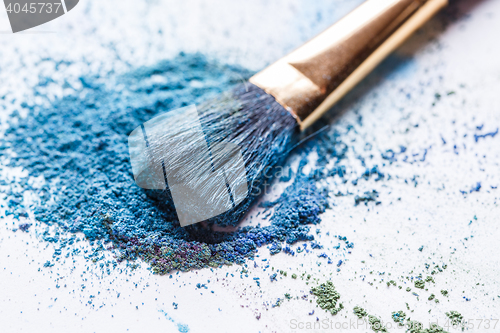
(262,119)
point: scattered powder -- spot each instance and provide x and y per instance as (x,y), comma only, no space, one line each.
(419,284)
(327,297)
(455,317)
(375,324)
(360,312)
(183,328)
(399,317)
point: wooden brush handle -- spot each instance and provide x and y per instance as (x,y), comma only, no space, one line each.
(311,79)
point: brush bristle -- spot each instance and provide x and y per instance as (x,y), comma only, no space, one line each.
(246,117)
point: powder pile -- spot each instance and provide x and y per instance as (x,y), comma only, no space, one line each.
(327,297)
(78,144)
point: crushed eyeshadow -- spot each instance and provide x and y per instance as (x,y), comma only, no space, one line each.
(399,317)
(327,297)
(78,145)
(455,317)
(360,312)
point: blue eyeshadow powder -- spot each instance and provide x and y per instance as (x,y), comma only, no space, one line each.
(80,147)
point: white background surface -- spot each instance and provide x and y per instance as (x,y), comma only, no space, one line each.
(461,57)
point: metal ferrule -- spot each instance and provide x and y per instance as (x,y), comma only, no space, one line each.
(311,79)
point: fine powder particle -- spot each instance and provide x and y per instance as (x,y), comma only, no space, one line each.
(327,297)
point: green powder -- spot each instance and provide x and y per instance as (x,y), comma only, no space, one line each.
(419,284)
(360,312)
(327,297)
(431,297)
(434,329)
(444,292)
(415,327)
(399,317)
(376,324)
(455,317)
